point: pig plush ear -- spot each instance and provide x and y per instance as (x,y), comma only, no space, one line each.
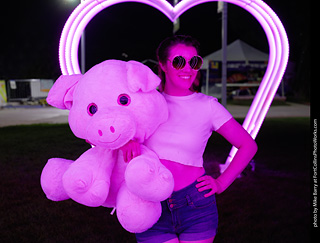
(61,93)
(141,77)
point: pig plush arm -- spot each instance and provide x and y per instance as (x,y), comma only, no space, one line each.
(148,178)
(145,175)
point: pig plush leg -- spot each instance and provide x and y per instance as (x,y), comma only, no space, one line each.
(51,178)
(135,214)
(146,177)
(87,180)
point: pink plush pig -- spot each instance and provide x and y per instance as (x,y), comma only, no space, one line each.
(111,104)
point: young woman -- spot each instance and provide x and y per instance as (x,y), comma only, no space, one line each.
(190,214)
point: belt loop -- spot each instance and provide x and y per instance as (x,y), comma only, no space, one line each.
(189,200)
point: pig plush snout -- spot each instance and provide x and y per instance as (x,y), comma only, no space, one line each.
(111,131)
(107,130)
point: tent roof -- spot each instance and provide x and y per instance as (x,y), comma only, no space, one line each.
(237,51)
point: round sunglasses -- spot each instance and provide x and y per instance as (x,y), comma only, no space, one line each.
(179,62)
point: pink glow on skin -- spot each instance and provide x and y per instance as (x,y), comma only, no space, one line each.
(275,32)
(178,82)
(177,85)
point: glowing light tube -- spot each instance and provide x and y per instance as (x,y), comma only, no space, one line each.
(271,24)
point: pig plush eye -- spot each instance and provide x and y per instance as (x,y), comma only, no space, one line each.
(124,100)
(92,109)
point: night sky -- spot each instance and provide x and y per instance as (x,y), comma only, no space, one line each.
(30,32)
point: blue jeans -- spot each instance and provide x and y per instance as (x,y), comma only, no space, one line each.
(186,215)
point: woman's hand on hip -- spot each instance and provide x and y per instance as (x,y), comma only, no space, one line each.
(207,182)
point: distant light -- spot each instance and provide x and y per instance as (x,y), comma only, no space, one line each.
(71,1)
(275,32)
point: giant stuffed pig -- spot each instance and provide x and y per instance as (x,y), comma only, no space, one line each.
(111,104)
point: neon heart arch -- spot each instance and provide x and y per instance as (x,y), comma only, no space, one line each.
(275,32)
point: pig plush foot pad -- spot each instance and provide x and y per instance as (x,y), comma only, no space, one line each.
(81,186)
(51,178)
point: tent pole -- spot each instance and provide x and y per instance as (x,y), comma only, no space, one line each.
(224,53)
(207,78)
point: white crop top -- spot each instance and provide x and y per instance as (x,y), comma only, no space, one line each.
(184,136)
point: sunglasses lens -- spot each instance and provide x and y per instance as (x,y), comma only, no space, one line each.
(196,62)
(178,62)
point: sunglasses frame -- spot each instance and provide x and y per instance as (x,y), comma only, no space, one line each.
(185,61)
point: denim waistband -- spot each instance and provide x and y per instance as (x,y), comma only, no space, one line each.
(182,192)
(182,197)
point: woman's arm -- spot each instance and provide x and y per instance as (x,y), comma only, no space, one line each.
(233,132)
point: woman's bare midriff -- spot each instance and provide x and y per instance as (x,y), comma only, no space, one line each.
(183,175)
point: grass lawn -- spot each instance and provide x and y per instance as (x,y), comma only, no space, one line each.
(271,204)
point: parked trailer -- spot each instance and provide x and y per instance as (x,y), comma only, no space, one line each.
(23,90)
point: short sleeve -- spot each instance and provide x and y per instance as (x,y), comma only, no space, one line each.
(220,115)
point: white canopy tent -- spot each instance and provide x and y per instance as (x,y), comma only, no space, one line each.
(237,51)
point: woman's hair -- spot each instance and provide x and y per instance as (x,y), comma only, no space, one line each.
(165,47)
